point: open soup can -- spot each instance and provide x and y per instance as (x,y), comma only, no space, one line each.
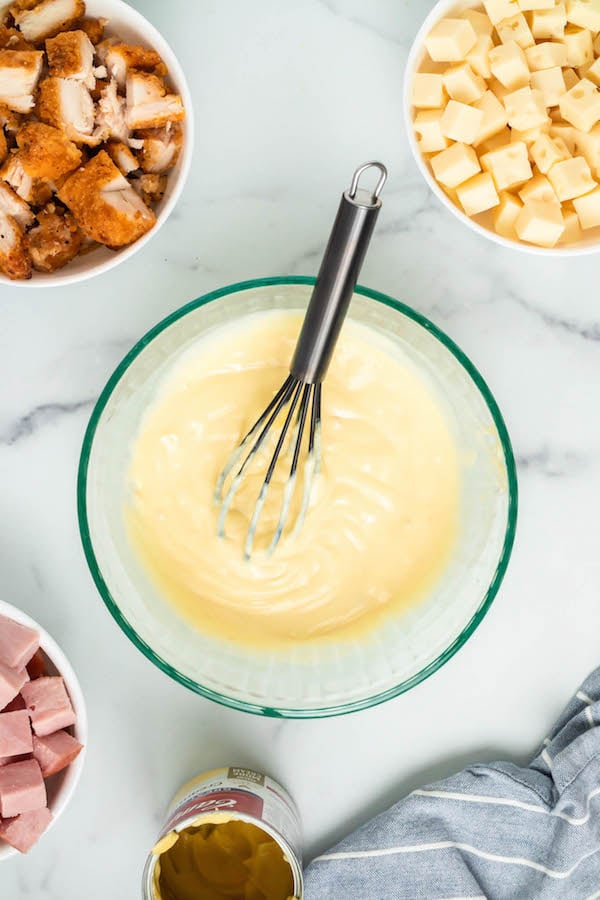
(230,833)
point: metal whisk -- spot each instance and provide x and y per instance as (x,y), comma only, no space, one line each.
(301,391)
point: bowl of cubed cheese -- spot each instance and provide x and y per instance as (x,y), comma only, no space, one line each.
(96,137)
(43,732)
(502,108)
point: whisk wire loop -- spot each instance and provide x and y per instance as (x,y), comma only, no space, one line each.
(331,296)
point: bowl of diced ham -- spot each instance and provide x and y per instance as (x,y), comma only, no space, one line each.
(96,135)
(43,731)
(502,107)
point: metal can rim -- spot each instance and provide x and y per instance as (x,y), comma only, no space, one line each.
(289,853)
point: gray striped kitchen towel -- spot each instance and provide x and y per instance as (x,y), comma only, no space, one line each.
(493,832)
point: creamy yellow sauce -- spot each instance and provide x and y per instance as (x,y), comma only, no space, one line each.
(231,861)
(384,513)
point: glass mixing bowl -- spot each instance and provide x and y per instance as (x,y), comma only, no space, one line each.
(329,677)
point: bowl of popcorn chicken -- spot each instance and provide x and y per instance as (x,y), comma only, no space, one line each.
(502,104)
(96,136)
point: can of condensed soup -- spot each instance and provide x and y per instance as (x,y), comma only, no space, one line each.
(229,833)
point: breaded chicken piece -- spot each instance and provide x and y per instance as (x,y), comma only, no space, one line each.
(12,39)
(105,205)
(104,46)
(20,5)
(34,191)
(10,120)
(67,104)
(94,28)
(45,152)
(111,114)
(47,18)
(19,74)
(120,58)
(122,157)
(160,149)
(151,188)
(14,259)
(14,174)
(13,205)
(71,55)
(55,240)
(3,146)
(148,104)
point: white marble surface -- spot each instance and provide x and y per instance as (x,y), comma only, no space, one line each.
(289,97)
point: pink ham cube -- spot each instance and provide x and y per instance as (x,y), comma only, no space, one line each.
(16,703)
(15,733)
(48,704)
(37,665)
(7,760)
(55,752)
(23,831)
(11,682)
(22,788)
(17,643)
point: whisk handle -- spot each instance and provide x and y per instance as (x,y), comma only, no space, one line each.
(342,262)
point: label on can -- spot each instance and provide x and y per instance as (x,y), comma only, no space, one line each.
(229,793)
(237,791)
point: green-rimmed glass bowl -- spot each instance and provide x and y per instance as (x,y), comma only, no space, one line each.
(322,678)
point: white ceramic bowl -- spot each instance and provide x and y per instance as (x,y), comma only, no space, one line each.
(321,678)
(480,224)
(60,787)
(131,25)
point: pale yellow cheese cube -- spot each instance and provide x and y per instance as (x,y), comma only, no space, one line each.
(508,166)
(548,24)
(538,188)
(501,139)
(540,222)
(461,122)
(509,65)
(528,5)
(547,151)
(587,144)
(525,109)
(450,40)
(463,84)
(497,88)
(571,178)
(587,208)
(494,117)
(428,126)
(478,194)
(585,13)
(564,132)
(515,29)
(506,214)
(500,9)
(572,232)
(581,105)
(571,78)
(583,70)
(480,22)
(593,73)
(428,66)
(530,135)
(551,84)
(428,91)
(479,57)
(456,164)
(580,46)
(546,55)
